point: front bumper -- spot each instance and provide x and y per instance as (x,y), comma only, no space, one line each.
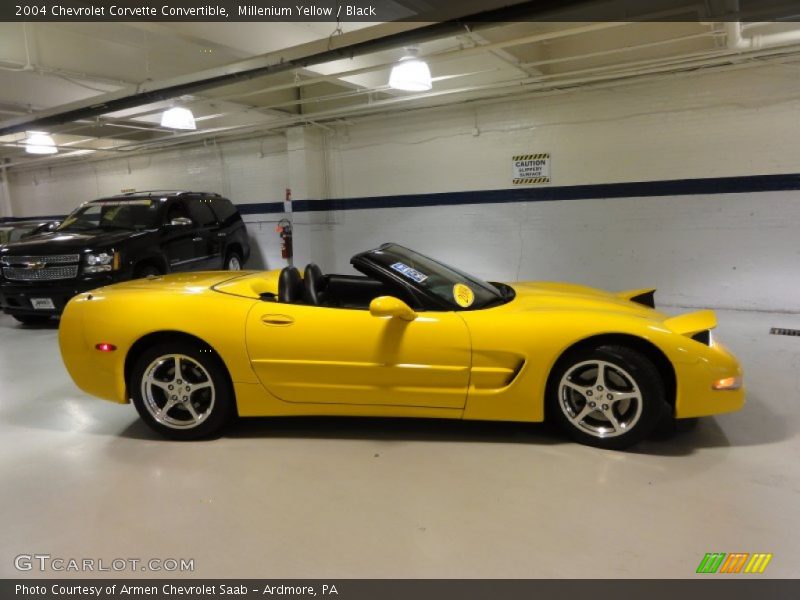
(16,297)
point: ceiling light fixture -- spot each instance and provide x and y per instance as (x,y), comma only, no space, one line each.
(178,118)
(39,142)
(411,74)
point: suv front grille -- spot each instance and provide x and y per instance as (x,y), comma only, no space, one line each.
(55,259)
(47,274)
(38,268)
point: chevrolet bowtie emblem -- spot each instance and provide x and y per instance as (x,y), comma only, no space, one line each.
(35,265)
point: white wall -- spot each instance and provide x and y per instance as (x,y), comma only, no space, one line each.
(722,250)
(736,251)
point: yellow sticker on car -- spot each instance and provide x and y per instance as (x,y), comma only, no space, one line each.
(463,296)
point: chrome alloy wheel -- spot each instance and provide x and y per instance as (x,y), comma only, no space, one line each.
(600,398)
(234,264)
(178,391)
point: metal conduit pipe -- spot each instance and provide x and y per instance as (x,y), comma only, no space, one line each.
(737,41)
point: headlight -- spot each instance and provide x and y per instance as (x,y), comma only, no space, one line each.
(101,262)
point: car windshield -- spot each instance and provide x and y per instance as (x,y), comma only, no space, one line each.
(131,215)
(447,283)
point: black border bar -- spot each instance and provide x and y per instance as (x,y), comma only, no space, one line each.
(705,588)
(427,11)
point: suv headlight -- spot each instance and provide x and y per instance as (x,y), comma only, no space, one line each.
(101,262)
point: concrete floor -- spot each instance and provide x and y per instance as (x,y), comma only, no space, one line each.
(82,478)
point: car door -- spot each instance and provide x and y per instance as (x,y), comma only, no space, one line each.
(178,240)
(207,243)
(313,354)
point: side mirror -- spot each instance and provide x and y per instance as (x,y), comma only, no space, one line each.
(388,306)
(181,222)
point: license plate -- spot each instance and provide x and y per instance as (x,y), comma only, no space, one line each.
(43,304)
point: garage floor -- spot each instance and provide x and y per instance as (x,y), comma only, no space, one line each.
(82,478)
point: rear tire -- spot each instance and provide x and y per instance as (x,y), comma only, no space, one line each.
(32,319)
(609,397)
(233,262)
(182,391)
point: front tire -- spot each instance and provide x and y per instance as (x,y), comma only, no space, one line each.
(610,397)
(147,271)
(182,391)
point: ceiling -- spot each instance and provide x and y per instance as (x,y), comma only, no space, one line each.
(49,67)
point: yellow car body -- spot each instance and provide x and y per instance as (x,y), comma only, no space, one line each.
(295,359)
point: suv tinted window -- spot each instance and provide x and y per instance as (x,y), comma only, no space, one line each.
(177,209)
(135,214)
(201,213)
(226,211)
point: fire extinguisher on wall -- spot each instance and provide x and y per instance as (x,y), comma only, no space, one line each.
(284,230)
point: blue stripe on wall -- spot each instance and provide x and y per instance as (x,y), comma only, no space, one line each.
(673,187)
(637,189)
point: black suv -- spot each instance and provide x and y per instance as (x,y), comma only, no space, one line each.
(117,238)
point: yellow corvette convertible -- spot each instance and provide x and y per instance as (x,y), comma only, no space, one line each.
(410,337)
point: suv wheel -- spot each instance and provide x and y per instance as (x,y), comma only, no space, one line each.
(233,262)
(147,271)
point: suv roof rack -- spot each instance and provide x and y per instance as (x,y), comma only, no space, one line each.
(161,193)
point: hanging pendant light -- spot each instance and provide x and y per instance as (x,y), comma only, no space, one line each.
(39,142)
(178,117)
(411,74)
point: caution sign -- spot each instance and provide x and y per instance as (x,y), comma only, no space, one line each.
(531,169)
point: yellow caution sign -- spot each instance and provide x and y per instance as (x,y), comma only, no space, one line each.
(463,296)
(530,169)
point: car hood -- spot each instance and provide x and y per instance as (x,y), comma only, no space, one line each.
(61,242)
(545,295)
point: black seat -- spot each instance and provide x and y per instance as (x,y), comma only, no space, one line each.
(315,286)
(290,286)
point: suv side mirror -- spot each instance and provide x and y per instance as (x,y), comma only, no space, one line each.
(389,306)
(181,222)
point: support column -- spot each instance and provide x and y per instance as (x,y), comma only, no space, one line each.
(6,209)
(307,181)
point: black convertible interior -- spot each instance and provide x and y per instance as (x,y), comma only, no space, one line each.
(314,288)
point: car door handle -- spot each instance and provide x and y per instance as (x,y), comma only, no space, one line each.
(277,320)
(197,239)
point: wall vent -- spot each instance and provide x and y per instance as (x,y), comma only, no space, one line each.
(782,331)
